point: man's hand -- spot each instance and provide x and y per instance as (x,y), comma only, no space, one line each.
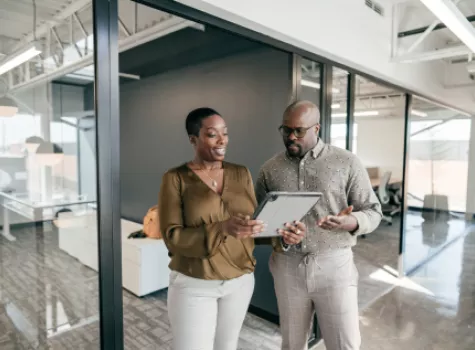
(344,221)
(242,226)
(294,232)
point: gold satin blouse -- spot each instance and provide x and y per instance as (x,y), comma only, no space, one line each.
(191,219)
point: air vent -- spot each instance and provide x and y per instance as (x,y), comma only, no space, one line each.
(375,7)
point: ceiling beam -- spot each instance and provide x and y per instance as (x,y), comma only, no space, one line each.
(426,33)
(160,29)
(433,55)
(454,19)
(43,29)
(423,29)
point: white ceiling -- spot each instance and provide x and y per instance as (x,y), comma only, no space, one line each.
(17,17)
(413,14)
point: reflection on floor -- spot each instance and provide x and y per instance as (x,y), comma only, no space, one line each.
(48,300)
(432,310)
(423,239)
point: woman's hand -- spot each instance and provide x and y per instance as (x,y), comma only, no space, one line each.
(242,226)
(294,232)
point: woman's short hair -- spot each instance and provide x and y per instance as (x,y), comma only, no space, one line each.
(195,118)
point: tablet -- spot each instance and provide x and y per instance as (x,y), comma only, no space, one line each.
(281,207)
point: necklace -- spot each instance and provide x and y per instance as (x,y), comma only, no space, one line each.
(214,183)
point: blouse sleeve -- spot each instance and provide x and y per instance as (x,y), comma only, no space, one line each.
(192,242)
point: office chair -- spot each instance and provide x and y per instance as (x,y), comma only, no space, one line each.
(385,197)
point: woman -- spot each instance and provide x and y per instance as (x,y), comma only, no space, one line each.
(204,212)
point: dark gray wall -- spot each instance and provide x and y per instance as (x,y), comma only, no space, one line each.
(250,90)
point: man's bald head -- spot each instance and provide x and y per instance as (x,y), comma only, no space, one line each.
(300,127)
(305,110)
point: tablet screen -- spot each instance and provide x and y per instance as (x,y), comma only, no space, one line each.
(282,207)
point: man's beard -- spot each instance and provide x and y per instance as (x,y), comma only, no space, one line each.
(294,152)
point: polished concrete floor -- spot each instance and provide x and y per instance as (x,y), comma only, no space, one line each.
(48,300)
(434,309)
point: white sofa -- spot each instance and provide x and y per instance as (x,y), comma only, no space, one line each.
(144,260)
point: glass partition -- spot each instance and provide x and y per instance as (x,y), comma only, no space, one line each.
(49,290)
(310,81)
(437,180)
(339,107)
(378,141)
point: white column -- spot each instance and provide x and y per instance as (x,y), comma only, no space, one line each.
(45,94)
(471,174)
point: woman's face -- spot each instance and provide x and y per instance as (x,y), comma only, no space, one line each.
(213,139)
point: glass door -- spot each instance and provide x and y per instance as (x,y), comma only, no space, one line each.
(439,142)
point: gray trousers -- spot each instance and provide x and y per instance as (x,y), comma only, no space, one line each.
(325,284)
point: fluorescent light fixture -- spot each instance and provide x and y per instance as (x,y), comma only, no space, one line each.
(336,105)
(357,114)
(418,113)
(18,58)
(314,85)
(310,84)
(366,113)
(448,13)
(80,76)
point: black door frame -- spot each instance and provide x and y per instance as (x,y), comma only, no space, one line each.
(106,100)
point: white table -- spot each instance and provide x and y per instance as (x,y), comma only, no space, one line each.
(34,209)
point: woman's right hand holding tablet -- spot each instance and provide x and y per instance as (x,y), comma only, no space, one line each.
(241,226)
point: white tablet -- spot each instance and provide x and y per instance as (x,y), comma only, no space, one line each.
(281,207)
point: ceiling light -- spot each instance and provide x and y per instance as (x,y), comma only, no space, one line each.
(310,84)
(49,154)
(80,76)
(366,113)
(336,105)
(314,85)
(418,113)
(32,143)
(18,58)
(450,15)
(357,114)
(8,107)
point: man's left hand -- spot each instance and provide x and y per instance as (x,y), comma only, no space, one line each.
(344,221)
(293,233)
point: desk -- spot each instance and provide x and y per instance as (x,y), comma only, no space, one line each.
(392,181)
(33,208)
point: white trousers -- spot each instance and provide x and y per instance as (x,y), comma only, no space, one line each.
(207,315)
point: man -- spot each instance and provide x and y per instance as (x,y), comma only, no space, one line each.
(318,273)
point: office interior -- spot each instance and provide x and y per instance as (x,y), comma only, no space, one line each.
(418,154)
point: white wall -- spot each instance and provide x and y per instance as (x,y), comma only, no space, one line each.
(345,31)
(380,144)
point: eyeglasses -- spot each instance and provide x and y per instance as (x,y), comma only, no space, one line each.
(298,132)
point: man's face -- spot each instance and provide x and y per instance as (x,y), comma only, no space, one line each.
(300,131)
